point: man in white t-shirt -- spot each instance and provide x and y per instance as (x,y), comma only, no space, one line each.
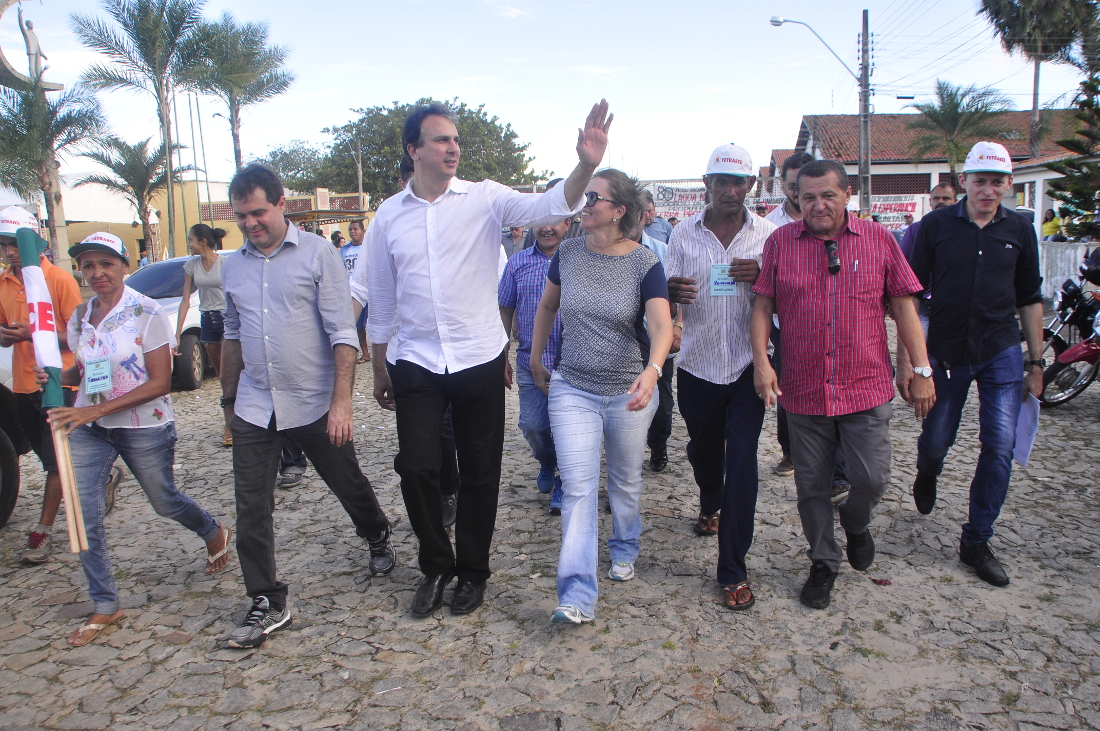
(350,251)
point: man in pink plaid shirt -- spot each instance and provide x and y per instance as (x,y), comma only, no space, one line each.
(828,278)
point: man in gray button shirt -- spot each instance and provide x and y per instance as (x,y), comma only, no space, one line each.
(288,364)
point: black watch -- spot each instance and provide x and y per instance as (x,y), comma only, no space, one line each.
(227,401)
(1041,363)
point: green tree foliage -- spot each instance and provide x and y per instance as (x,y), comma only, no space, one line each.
(1077,189)
(36,128)
(150,45)
(297,163)
(958,118)
(237,66)
(136,172)
(1043,30)
(490,151)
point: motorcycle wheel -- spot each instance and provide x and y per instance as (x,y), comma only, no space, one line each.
(1062,382)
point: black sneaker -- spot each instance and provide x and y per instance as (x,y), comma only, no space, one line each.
(289,480)
(450,510)
(261,621)
(861,550)
(924,492)
(980,557)
(658,459)
(382,555)
(816,590)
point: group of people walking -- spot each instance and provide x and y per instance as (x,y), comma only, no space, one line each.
(599,318)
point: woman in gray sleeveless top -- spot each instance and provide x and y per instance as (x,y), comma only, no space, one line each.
(602,389)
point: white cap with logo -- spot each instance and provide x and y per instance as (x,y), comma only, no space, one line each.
(14,218)
(730,159)
(988,157)
(101,241)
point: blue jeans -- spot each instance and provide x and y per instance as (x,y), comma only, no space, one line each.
(534,419)
(581,421)
(149,453)
(1000,388)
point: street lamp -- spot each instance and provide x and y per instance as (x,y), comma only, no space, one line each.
(863,78)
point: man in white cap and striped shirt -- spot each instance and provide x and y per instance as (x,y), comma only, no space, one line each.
(713,260)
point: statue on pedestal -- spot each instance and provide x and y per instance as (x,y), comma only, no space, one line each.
(35,56)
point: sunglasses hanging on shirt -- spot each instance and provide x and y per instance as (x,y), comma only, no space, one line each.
(834,259)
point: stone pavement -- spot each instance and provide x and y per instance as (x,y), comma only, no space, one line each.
(934,648)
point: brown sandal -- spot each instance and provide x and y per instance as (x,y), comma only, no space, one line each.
(730,594)
(80,637)
(706,525)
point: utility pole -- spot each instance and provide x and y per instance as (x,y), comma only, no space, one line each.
(359,167)
(865,118)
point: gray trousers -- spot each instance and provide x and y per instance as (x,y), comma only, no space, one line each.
(864,440)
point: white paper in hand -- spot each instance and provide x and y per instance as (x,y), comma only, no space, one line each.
(1027,426)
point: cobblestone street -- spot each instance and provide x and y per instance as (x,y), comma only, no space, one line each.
(930,648)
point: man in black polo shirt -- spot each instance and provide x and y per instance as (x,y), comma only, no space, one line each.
(981,262)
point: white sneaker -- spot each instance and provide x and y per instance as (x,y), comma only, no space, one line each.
(621,571)
(568,614)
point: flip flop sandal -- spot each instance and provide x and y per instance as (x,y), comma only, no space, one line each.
(95,628)
(212,559)
(729,597)
(110,492)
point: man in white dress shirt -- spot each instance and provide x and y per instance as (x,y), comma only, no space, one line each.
(433,315)
(720,248)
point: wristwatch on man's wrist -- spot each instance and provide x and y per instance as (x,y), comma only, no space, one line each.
(1040,362)
(923,371)
(227,401)
(657,368)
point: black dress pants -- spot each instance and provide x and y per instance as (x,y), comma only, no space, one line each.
(256,456)
(476,396)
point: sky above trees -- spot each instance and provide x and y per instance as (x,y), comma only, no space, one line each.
(681,78)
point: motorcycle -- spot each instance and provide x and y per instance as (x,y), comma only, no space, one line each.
(1074,337)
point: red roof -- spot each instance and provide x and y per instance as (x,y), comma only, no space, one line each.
(836,136)
(779,157)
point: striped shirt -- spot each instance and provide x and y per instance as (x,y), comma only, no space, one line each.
(715,345)
(836,359)
(520,289)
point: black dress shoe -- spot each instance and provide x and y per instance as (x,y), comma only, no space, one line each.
(450,510)
(818,588)
(980,557)
(429,595)
(468,596)
(924,493)
(861,550)
(658,459)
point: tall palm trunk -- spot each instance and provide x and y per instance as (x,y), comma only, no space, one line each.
(1035,129)
(235,130)
(46,182)
(166,134)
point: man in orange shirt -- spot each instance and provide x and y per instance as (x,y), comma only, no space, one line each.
(15,331)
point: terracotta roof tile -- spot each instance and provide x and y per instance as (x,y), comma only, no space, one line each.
(837,135)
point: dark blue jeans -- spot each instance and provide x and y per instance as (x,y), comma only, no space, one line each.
(661,427)
(723,423)
(1000,389)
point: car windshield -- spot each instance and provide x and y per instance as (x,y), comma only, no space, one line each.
(159,280)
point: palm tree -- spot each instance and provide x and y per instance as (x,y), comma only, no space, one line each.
(36,129)
(137,173)
(150,51)
(958,118)
(1043,30)
(239,68)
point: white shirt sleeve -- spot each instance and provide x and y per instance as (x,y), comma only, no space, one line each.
(519,209)
(382,284)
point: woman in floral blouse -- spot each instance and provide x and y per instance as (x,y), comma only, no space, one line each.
(123,342)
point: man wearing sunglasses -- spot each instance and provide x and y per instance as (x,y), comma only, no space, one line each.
(828,278)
